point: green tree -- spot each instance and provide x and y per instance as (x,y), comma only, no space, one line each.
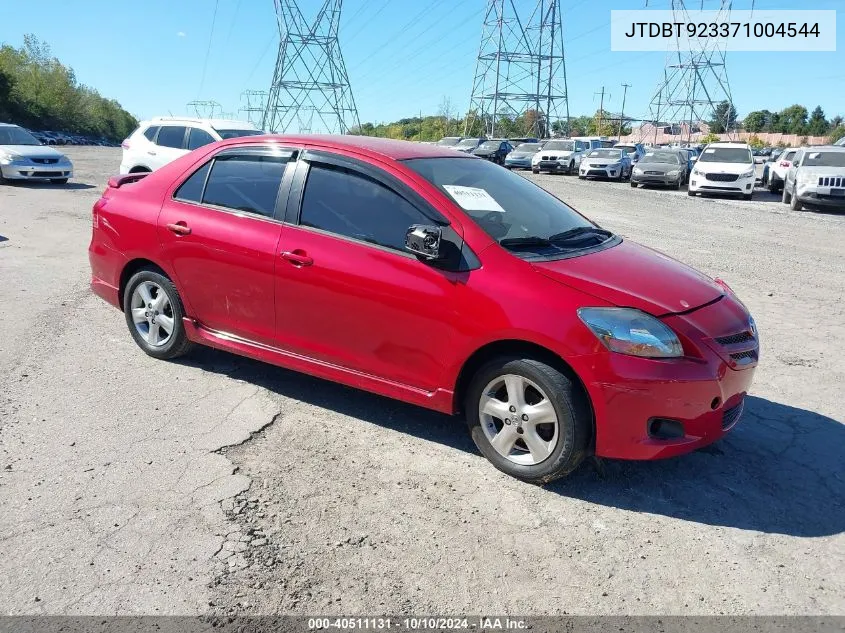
(724,118)
(837,133)
(817,125)
(755,141)
(756,121)
(793,120)
(710,138)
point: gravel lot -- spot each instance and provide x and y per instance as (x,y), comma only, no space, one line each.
(130,485)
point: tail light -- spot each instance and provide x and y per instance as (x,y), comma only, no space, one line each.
(125,144)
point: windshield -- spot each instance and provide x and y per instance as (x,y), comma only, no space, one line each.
(824,159)
(490,145)
(449,141)
(661,157)
(506,206)
(528,147)
(468,142)
(726,155)
(224,134)
(605,153)
(565,146)
(628,148)
(14,135)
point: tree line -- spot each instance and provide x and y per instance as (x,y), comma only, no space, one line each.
(795,119)
(39,92)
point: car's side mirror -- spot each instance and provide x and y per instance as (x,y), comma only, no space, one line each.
(693,158)
(423,240)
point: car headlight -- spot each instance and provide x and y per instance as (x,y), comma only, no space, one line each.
(11,158)
(695,172)
(674,172)
(747,174)
(631,332)
(638,170)
(805,178)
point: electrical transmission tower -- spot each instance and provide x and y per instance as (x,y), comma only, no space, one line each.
(520,75)
(205,109)
(310,84)
(694,81)
(254,102)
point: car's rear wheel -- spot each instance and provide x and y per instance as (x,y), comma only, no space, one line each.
(154,314)
(535,171)
(773,184)
(529,419)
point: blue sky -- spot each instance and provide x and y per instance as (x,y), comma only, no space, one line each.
(150,56)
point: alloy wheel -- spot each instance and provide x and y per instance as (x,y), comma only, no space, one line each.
(152,313)
(518,419)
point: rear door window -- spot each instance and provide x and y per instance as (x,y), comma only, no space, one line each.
(245,182)
(198,137)
(171,136)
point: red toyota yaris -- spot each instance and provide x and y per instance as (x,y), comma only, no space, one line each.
(433,277)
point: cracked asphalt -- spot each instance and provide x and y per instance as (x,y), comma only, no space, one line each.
(219,484)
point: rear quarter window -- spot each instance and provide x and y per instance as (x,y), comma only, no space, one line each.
(151,132)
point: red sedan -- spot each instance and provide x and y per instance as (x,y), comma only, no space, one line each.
(437,278)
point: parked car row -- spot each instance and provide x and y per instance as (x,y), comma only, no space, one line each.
(61,138)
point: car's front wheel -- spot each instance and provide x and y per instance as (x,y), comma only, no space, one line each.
(154,314)
(529,419)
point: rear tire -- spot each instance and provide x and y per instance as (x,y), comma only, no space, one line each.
(535,171)
(171,312)
(785,198)
(536,452)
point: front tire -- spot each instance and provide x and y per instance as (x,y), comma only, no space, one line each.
(633,184)
(535,171)
(154,312)
(794,202)
(528,419)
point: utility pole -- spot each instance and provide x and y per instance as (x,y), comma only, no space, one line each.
(622,114)
(601,111)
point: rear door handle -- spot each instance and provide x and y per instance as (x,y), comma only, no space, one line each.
(298,258)
(180,228)
(151,153)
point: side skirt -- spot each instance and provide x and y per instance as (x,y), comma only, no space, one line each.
(439,399)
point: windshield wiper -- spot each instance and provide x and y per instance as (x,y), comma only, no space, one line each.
(527,242)
(578,231)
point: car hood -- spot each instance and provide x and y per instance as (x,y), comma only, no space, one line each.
(633,276)
(824,171)
(33,151)
(723,168)
(521,154)
(484,152)
(603,161)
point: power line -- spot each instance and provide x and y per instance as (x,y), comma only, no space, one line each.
(208,50)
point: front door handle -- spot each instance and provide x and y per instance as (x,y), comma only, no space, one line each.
(180,228)
(298,257)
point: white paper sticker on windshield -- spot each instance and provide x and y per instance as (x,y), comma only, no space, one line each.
(815,155)
(473,198)
(710,151)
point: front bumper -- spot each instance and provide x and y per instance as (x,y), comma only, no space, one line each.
(699,392)
(820,196)
(37,172)
(553,166)
(521,163)
(589,171)
(654,179)
(740,186)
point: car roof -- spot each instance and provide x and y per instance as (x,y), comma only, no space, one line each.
(825,148)
(373,145)
(731,144)
(8,125)
(231,124)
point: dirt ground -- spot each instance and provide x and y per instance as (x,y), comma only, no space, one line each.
(219,484)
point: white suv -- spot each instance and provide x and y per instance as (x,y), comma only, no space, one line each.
(724,167)
(164,139)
